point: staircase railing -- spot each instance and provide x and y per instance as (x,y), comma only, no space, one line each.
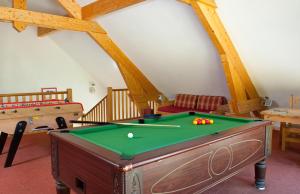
(115,106)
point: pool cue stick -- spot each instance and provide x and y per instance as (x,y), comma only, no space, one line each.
(148,125)
(128,124)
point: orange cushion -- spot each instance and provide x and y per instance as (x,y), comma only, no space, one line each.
(210,103)
(185,101)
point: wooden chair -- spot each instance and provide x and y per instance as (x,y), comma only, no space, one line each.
(291,132)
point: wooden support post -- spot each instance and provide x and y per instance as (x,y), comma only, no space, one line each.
(19,4)
(141,89)
(92,10)
(69,95)
(239,83)
(109,105)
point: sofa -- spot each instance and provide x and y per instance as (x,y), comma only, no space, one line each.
(190,102)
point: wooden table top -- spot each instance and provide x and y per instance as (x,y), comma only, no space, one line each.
(282,115)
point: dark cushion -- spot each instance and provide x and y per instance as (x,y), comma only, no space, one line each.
(185,101)
(210,103)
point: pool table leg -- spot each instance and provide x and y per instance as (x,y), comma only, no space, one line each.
(61,188)
(260,174)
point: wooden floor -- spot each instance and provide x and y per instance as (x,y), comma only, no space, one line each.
(31,171)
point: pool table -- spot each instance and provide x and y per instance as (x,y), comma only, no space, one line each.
(182,158)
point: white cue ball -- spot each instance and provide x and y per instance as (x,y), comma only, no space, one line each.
(130,135)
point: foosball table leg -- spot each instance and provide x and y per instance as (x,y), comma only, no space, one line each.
(20,128)
(61,122)
(3,138)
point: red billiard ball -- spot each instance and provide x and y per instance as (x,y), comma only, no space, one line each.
(199,121)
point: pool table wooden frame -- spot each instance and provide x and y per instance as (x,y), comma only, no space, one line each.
(189,167)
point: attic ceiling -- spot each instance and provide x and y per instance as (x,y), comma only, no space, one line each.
(166,41)
(162,37)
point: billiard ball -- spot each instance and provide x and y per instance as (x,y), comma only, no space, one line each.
(203,122)
(207,121)
(199,122)
(130,135)
(195,122)
(211,121)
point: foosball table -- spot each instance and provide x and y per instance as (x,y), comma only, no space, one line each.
(23,113)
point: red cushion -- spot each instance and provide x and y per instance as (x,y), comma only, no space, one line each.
(210,103)
(185,101)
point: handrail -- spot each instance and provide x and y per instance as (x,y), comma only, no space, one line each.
(36,96)
(115,106)
(96,105)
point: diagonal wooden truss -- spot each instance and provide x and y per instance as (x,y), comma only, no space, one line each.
(141,89)
(238,81)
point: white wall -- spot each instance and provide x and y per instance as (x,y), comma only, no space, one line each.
(29,63)
(266,34)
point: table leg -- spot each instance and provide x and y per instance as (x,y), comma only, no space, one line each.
(3,138)
(260,174)
(20,128)
(282,125)
(61,188)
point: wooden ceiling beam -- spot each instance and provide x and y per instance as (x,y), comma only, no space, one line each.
(72,8)
(20,4)
(239,83)
(102,7)
(141,89)
(97,8)
(211,3)
(48,20)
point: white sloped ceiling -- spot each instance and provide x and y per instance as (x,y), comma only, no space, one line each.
(164,39)
(167,42)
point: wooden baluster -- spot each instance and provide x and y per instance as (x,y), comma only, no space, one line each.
(123,105)
(96,113)
(133,109)
(130,108)
(99,112)
(23,98)
(93,115)
(16,98)
(109,105)
(103,110)
(114,106)
(119,106)
(126,102)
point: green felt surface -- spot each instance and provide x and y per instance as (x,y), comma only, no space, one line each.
(114,137)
